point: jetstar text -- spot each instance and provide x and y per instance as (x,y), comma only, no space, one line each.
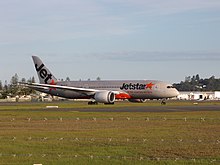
(43,73)
(131,86)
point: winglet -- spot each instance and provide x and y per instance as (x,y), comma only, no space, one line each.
(44,74)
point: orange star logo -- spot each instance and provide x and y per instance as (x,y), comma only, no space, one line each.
(150,85)
(52,83)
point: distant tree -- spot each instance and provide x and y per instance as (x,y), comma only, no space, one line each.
(4,94)
(212,78)
(13,87)
(6,85)
(67,79)
(187,79)
(193,78)
(197,78)
(1,87)
(14,79)
(33,80)
(23,80)
(98,79)
(212,83)
(29,80)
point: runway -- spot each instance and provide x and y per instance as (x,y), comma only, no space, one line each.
(118,108)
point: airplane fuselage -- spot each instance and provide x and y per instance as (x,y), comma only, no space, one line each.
(135,89)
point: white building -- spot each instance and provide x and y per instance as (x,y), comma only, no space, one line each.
(198,95)
(217,95)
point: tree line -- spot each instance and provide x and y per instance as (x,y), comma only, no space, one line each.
(195,83)
(13,88)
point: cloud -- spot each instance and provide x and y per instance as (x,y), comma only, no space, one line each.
(144,56)
(51,21)
(170,6)
(56,20)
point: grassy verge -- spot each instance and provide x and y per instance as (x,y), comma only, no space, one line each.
(58,137)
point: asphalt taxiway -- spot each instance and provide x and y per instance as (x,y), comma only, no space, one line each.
(133,108)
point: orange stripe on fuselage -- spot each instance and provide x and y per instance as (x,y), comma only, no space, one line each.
(122,96)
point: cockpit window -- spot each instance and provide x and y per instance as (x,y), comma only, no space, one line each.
(170,86)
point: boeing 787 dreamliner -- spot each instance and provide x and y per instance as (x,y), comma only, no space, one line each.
(100,91)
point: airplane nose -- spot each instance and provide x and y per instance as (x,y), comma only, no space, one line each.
(176,92)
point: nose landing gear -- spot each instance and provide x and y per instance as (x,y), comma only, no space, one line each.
(163,102)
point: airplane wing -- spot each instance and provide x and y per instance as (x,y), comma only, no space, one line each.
(75,89)
(102,96)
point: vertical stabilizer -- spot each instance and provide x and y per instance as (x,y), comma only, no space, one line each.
(44,74)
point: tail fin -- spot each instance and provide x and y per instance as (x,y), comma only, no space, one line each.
(44,74)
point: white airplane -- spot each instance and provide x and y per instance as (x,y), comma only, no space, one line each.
(100,91)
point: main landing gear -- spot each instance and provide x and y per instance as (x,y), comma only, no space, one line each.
(96,103)
(92,103)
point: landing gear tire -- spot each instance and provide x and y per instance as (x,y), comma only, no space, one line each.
(109,103)
(92,103)
(163,102)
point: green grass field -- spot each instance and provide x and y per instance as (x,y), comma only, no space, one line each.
(30,136)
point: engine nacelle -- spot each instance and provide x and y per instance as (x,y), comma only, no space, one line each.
(106,97)
(137,100)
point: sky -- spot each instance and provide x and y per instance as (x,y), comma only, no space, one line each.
(112,39)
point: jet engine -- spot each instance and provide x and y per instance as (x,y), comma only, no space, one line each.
(106,97)
(137,100)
